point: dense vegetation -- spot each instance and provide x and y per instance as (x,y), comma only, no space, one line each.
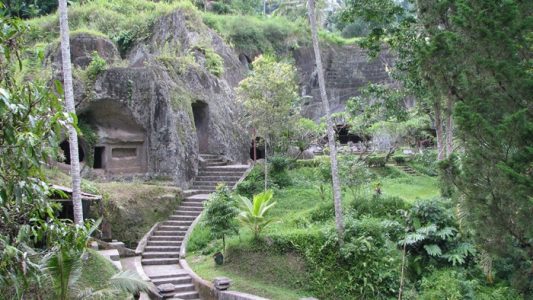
(456,226)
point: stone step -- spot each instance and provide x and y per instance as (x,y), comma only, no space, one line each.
(180,217)
(192,202)
(160,261)
(173,280)
(230,173)
(168,237)
(208,155)
(214,163)
(216,178)
(177,222)
(187,287)
(214,183)
(176,243)
(188,208)
(177,273)
(171,226)
(161,249)
(228,168)
(182,295)
(198,191)
(181,227)
(176,230)
(173,254)
(168,233)
(181,212)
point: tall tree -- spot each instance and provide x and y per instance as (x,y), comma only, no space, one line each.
(270,98)
(69,102)
(337,196)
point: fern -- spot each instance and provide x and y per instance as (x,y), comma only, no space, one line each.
(433,250)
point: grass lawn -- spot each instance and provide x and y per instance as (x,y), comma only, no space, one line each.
(263,271)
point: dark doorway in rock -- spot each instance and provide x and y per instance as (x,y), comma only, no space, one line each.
(65,146)
(344,136)
(99,157)
(200,113)
(260,148)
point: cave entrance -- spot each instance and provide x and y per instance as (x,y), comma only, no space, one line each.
(200,113)
(99,153)
(259,148)
(65,147)
(344,136)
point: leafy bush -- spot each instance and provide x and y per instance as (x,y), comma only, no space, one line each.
(425,163)
(253,184)
(220,214)
(376,161)
(365,268)
(214,63)
(221,8)
(400,159)
(199,239)
(433,237)
(380,207)
(278,171)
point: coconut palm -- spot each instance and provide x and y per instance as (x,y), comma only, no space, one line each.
(337,196)
(254,213)
(64,268)
(70,108)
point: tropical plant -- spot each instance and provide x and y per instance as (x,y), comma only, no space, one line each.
(337,195)
(254,214)
(64,263)
(71,110)
(220,214)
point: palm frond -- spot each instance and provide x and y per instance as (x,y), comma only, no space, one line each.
(130,282)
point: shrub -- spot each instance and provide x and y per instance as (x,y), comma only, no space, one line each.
(366,267)
(399,159)
(278,171)
(380,207)
(376,161)
(220,214)
(425,163)
(96,67)
(214,63)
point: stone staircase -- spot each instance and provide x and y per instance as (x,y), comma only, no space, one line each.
(407,169)
(160,257)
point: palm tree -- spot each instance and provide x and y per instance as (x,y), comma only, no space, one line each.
(69,101)
(64,268)
(254,213)
(337,196)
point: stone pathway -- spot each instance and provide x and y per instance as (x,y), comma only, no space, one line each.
(160,257)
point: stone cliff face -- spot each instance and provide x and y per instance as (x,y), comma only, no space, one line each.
(161,106)
(346,70)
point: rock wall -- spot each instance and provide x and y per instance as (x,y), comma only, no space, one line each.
(346,70)
(155,84)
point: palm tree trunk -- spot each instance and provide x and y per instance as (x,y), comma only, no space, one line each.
(266,162)
(69,101)
(449,126)
(438,126)
(337,196)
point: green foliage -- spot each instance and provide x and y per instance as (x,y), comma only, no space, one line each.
(365,267)
(220,214)
(199,239)
(381,207)
(254,35)
(305,132)
(27,9)
(254,182)
(270,97)
(254,214)
(399,159)
(425,163)
(123,21)
(96,66)
(376,161)
(278,171)
(214,63)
